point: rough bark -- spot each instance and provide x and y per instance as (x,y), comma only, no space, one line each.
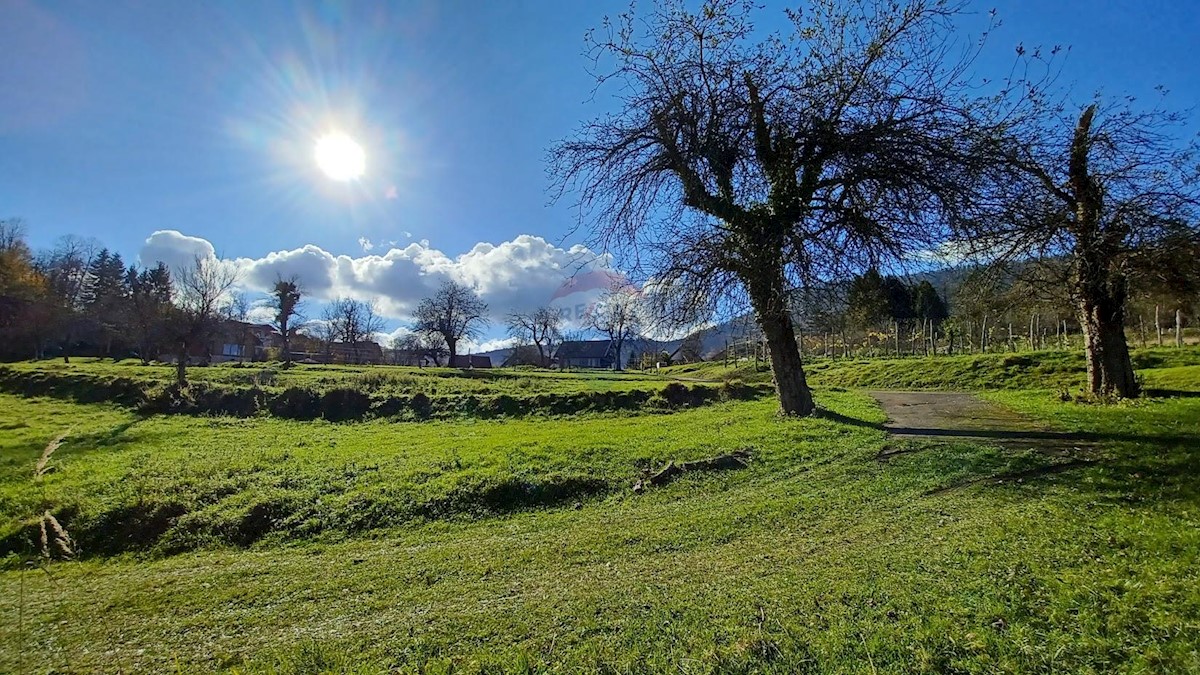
(1179,328)
(1109,370)
(769,299)
(1098,288)
(285,334)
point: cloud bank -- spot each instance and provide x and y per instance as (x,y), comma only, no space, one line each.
(516,275)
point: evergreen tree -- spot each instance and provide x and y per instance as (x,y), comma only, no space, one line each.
(147,308)
(867,300)
(105,298)
(927,304)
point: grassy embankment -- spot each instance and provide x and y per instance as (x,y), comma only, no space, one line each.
(515,545)
(342,393)
(1163,370)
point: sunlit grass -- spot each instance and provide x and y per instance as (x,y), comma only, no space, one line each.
(818,558)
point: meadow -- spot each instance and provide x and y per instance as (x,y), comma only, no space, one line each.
(257,544)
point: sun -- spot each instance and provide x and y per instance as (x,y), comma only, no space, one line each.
(340,157)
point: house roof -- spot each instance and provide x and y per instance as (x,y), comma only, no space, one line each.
(584,349)
(472,361)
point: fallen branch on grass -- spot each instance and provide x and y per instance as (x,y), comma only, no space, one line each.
(738,459)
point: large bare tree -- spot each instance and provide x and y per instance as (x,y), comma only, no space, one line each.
(542,327)
(66,270)
(455,312)
(618,315)
(744,166)
(353,322)
(1102,194)
(202,296)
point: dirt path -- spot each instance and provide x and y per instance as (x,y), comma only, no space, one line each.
(949,415)
(933,413)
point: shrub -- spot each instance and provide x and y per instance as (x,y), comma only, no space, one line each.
(295,403)
(343,404)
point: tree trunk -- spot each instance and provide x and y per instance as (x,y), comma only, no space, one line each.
(181,365)
(452,347)
(1102,318)
(1158,325)
(1179,328)
(795,398)
(770,305)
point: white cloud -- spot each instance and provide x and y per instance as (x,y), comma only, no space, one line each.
(365,244)
(174,249)
(515,275)
(261,312)
(491,345)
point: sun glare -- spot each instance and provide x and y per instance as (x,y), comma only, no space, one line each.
(340,157)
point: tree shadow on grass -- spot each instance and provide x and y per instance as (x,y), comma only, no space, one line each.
(1170,393)
(1153,470)
(1124,467)
(1026,437)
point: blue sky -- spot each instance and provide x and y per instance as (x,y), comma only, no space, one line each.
(119,119)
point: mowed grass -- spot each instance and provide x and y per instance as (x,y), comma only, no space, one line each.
(172,483)
(820,557)
(367,378)
(1163,370)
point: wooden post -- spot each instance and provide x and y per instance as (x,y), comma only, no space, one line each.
(1032,335)
(1178,327)
(1157,325)
(896,324)
(1142,329)
(983,336)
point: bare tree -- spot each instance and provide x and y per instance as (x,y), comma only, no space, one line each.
(354,322)
(422,346)
(238,309)
(286,295)
(542,327)
(202,295)
(616,315)
(742,169)
(455,312)
(324,331)
(1102,190)
(65,269)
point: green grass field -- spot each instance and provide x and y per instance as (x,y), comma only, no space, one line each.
(1159,368)
(394,379)
(215,544)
